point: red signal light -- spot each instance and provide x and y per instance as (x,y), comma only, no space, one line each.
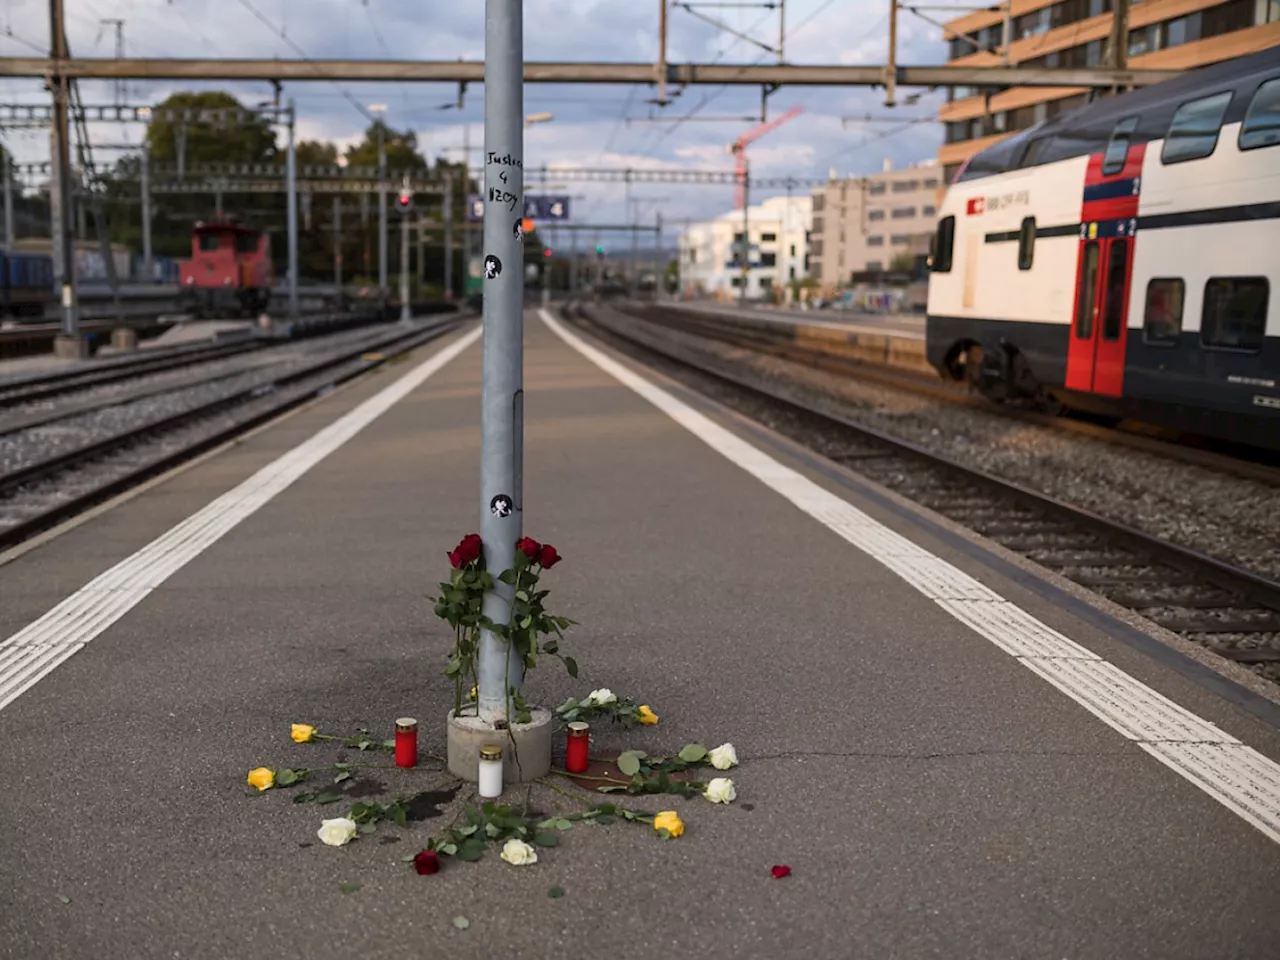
(546,253)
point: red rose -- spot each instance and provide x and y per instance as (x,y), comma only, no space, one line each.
(778,872)
(426,862)
(468,551)
(547,556)
(529,547)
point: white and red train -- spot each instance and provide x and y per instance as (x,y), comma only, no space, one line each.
(1123,259)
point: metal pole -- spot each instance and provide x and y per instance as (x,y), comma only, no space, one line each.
(217,200)
(746,231)
(404,262)
(662,52)
(1119,40)
(448,235)
(291,188)
(382,214)
(891,70)
(573,263)
(502,405)
(337,245)
(8,201)
(62,157)
(148,261)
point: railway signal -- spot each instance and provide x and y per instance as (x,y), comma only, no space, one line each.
(404,202)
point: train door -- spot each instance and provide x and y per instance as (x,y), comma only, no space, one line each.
(1095,356)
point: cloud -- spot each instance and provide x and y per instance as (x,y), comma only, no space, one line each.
(589,129)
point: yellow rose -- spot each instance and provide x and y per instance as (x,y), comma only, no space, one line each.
(473,694)
(670,821)
(263,778)
(302,732)
(647,716)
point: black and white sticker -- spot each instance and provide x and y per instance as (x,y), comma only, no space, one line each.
(500,506)
(518,230)
(492,267)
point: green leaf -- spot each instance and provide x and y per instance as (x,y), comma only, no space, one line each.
(612,788)
(555,893)
(350,887)
(563,824)
(409,859)
(286,777)
(467,830)
(629,763)
(571,715)
(389,744)
(329,796)
(508,576)
(342,775)
(664,833)
(461,922)
(304,798)
(448,849)
(471,850)
(546,840)
(571,665)
(605,819)
(692,752)
(551,646)
(63,898)
(369,827)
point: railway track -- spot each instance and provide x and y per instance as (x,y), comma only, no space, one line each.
(1228,610)
(1234,459)
(38,495)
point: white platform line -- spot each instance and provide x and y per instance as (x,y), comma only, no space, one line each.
(1243,780)
(93,608)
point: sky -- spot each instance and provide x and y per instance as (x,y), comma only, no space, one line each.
(593,126)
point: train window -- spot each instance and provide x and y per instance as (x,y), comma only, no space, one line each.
(1088,292)
(1261,127)
(1162,320)
(1193,134)
(1235,313)
(1117,277)
(208,241)
(1118,147)
(1026,243)
(946,238)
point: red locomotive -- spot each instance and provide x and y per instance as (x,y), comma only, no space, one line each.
(229,273)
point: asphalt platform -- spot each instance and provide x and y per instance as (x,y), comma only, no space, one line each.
(932,795)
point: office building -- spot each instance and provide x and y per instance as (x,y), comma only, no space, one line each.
(865,224)
(1163,34)
(779,251)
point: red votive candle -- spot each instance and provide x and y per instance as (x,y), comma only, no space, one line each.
(575,753)
(406,742)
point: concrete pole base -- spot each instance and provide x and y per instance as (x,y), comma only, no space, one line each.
(467,734)
(70,348)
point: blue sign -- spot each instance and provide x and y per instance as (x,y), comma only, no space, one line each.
(545,208)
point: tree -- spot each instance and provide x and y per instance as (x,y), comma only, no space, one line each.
(401,149)
(315,153)
(250,140)
(904,262)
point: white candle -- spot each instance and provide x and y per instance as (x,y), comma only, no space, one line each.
(490,771)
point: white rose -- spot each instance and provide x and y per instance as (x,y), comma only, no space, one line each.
(602,696)
(723,757)
(518,853)
(336,832)
(720,790)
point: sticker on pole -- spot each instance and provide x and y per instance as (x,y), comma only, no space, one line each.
(500,506)
(492,267)
(518,230)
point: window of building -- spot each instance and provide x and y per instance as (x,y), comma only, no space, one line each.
(693,256)
(905,186)
(944,240)
(1261,127)
(898,239)
(818,223)
(768,238)
(819,202)
(739,237)
(903,213)
(1118,147)
(1235,313)
(875,214)
(793,249)
(208,241)
(1026,243)
(791,273)
(766,283)
(932,182)
(949,172)
(1093,53)
(1117,280)
(1268,11)
(1162,320)
(1193,134)
(1182,30)
(735,282)
(875,190)
(768,259)
(875,241)
(817,248)
(874,266)
(928,211)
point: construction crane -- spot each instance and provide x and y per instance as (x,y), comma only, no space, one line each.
(739,150)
